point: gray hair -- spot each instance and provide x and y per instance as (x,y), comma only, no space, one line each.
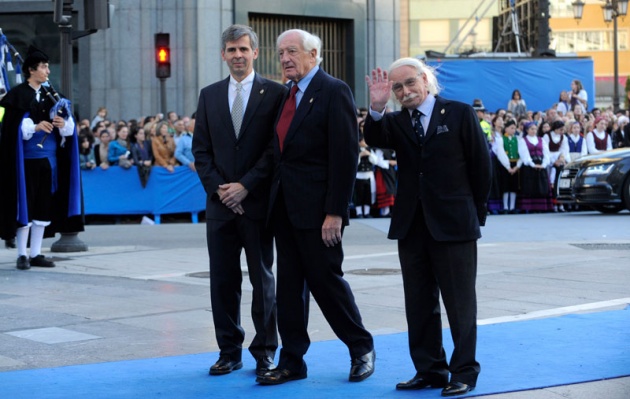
(422,68)
(235,32)
(309,42)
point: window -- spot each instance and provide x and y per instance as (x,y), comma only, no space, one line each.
(576,41)
(336,41)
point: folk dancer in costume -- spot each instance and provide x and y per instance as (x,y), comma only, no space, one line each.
(534,178)
(598,140)
(577,150)
(559,156)
(365,183)
(507,155)
(39,164)
(576,141)
(386,179)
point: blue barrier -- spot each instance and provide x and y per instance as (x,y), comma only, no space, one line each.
(117,191)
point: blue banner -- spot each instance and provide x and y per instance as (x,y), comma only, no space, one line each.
(117,191)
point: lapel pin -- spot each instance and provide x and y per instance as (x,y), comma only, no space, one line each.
(311,100)
(262,91)
(442,111)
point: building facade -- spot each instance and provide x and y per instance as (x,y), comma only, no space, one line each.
(466,26)
(448,26)
(593,37)
(115,68)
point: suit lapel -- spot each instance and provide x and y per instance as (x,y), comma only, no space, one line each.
(223,105)
(255,99)
(440,109)
(306,103)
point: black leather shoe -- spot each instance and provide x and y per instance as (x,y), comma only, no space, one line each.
(225,365)
(40,261)
(362,367)
(22,263)
(264,364)
(419,382)
(279,376)
(456,388)
(9,243)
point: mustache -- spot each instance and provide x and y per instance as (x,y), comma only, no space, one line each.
(410,96)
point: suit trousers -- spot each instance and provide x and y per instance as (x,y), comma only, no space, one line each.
(226,240)
(431,267)
(305,263)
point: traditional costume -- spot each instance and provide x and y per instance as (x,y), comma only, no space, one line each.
(385,176)
(39,172)
(507,156)
(535,190)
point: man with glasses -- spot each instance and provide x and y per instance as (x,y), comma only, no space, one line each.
(444,183)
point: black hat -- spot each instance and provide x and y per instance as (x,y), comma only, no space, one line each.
(557,125)
(33,57)
(478,105)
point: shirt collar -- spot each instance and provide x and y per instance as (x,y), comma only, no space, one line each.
(306,80)
(426,108)
(247,82)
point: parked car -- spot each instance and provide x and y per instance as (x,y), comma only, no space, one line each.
(600,181)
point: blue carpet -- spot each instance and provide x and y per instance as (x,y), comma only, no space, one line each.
(514,356)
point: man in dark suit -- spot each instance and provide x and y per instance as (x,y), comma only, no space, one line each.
(316,154)
(235,168)
(444,182)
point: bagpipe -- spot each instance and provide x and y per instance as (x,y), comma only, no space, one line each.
(61,107)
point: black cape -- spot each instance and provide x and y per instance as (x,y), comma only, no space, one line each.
(68,204)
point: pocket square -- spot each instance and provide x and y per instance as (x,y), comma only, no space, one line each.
(442,129)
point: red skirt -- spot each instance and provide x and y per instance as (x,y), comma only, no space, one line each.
(383,199)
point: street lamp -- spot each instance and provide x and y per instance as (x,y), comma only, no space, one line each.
(612,9)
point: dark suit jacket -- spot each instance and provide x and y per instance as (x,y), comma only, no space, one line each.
(450,173)
(624,138)
(318,164)
(222,158)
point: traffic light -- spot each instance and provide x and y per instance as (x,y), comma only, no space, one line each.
(162,55)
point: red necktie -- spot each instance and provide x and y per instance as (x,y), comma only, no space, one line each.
(286,116)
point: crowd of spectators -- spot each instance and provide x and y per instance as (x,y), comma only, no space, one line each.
(530,148)
(144,142)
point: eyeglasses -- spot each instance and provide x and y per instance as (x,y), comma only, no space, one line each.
(409,83)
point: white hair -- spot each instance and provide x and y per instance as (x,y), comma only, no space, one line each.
(309,42)
(623,119)
(422,68)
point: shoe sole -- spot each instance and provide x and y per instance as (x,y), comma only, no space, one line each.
(361,377)
(417,388)
(263,381)
(237,366)
(458,393)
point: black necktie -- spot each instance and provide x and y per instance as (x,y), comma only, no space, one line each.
(417,125)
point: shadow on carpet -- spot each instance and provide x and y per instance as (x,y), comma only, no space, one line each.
(514,356)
